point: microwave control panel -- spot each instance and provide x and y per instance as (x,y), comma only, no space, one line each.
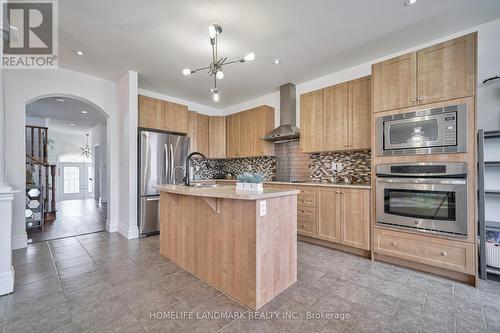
(450,128)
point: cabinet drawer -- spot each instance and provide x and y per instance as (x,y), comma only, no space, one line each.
(307,196)
(447,254)
(306,227)
(306,213)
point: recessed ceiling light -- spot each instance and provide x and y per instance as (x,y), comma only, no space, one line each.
(60,99)
(79,52)
(84,112)
(276,61)
(409,3)
(72,125)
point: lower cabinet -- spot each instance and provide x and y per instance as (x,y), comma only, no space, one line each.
(344,216)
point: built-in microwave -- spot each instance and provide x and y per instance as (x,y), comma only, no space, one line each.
(429,131)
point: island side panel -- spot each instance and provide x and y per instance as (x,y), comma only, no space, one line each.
(276,247)
(214,239)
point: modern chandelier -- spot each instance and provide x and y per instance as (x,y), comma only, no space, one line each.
(217,64)
(86,151)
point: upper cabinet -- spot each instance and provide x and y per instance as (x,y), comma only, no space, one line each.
(245,131)
(336,118)
(198,132)
(216,137)
(438,73)
(162,115)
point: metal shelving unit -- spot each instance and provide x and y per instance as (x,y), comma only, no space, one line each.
(484,224)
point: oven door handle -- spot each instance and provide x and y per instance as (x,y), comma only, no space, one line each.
(422,181)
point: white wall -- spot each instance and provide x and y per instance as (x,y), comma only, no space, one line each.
(200,108)
(488,98)
(24,86)
(99,137)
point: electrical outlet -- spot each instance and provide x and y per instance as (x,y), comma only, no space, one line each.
(334,166)
(340,166)
(263,207)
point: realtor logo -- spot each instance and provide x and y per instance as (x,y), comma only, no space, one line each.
(29,35)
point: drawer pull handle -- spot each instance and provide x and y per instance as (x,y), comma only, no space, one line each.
(444,254)
(394,244)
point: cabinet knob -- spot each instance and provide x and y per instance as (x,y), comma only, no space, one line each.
(413,100)
(444,254)
(394,244)
(420,98)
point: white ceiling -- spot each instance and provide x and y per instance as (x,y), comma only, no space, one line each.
(62,114)
(159,38)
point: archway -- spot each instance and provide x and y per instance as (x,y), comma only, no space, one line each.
(66,157)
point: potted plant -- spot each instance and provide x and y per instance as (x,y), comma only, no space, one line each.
(249,182)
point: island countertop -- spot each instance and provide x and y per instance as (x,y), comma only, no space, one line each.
(226,192)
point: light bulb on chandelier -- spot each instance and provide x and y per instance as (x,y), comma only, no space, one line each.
(219,75)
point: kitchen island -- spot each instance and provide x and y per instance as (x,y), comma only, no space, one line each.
(243,243)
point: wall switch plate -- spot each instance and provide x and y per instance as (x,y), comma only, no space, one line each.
(340,166)
(334,166)
(263,207)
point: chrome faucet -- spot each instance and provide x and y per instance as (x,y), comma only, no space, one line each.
(187,179)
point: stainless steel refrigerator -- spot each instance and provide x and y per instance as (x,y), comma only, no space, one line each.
(162,158)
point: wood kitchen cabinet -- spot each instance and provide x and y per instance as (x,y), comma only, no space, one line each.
(245,131)
(311,121)
(438,73)
(198,132)
(217,137)
(162,115)
(336,118)
(233,135)
(344,216)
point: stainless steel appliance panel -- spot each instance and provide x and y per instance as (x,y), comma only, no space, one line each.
(149,221)
(428,131)
(153,165)
(178,147)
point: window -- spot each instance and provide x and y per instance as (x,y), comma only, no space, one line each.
(71,179)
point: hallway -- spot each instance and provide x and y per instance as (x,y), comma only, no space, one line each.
(74,217)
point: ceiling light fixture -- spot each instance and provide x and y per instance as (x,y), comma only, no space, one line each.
(215,67)
(276,61)
(84,112)
(72,125)
(409,3)
(59,99)
(79,52)
(86,151)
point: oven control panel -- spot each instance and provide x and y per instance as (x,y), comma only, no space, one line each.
(450,128)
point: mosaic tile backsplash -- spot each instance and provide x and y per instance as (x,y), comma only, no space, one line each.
(217,169)
(355,164)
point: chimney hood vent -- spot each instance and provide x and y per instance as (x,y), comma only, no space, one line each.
(287,130)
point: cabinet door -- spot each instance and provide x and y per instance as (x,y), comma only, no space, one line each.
(311,121)
(263,123)
(233,135)
(329,215)
(335,129)
(359,115)
(354,217)
(394,83)
(446,70)
(191,132)
(150,112)
(246,131)
(175,118)
(202,134)
(217,137)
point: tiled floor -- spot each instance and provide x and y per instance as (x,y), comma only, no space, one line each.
(103,283)
(74,217)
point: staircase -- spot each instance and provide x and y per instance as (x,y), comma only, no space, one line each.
(39,172)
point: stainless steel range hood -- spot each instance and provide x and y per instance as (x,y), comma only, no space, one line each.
(287,130)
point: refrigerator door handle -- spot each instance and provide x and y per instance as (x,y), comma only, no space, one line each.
(153,199)
(172,170)
(166,162)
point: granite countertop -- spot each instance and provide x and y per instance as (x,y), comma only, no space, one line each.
(363,186)
(226,192)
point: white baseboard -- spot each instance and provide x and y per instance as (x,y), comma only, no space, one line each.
(111,227)
(129,232)
(19,241)
(7,282)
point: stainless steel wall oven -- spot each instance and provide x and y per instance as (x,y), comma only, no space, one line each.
(429,197)
(429,131)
